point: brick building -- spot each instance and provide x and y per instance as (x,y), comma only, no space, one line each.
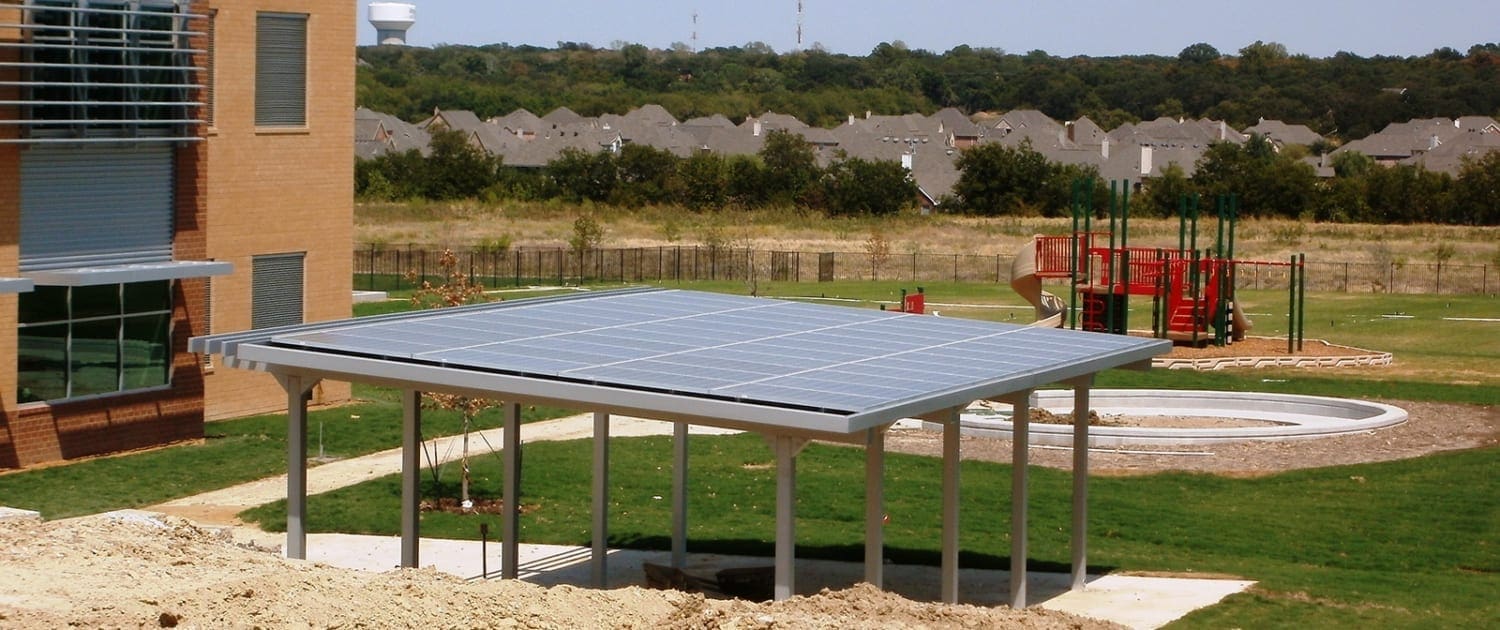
(168,168)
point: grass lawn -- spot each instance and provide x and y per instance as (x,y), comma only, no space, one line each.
(1391,545)
(233,452)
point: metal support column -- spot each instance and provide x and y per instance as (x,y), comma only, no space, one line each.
(1081,480)
(786,448)
(679,494)
(510,522)
(601,500)
(411,476)
(875,506)
(296,464)
(949,568)
(1020,442)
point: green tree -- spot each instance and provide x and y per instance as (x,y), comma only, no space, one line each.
(747,181)
(995,179)
(854,186)
(457,169)
(1268,184)
(646,175)
(703,181)
(1407,194)
(791,167)
(1162,195)
(1352,164)
(1476,194)
(581,175)
(1198,53)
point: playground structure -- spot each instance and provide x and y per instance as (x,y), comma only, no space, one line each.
(1192,290)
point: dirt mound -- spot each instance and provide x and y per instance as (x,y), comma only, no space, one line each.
(130,569)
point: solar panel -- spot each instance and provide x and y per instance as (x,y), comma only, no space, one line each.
(831,359)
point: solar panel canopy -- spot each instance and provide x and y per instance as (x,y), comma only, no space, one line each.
(828,360)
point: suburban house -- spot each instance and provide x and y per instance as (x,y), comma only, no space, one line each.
(1437,144)
(168,168)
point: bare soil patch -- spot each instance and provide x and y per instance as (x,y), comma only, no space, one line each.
(1264,347)
(106,572)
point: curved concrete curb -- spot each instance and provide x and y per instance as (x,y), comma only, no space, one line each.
(1357,357)
(1292,417)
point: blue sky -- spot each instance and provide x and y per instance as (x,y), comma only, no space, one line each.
(1318,28)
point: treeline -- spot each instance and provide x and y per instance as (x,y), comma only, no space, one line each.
(784,173)
(1345,96)
(994,180)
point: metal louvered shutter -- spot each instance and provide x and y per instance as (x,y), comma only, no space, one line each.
(276,290)
(96,205)
(280,69)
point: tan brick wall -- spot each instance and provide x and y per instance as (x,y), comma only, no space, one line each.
(280,190)
(241,193)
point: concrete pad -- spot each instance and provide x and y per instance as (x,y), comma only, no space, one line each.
(17,514)
(1134,601)
(361,297)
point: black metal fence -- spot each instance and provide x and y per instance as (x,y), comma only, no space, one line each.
(383,268)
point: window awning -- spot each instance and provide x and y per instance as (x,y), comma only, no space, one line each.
(121,274)
(15,285)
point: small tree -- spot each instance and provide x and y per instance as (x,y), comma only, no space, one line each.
(457,289)
(588,233)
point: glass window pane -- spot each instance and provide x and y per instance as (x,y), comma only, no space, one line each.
(96,301)
(42,363)
(146,353)
(95,357)
(44,304)
(145,297)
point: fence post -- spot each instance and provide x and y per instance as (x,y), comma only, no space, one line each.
(955,267)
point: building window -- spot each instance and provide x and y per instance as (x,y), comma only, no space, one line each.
(75,342)
(280,70)
(105,70)
(276,290)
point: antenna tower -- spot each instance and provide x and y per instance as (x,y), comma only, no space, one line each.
(694,44)
(799,24)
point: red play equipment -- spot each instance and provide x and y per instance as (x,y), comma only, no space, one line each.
(1192,290)
(911,303)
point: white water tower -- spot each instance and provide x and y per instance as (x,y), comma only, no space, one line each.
(391,20)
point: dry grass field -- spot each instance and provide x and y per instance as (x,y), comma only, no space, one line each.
(462,224)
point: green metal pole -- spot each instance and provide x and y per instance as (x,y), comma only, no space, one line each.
(1302,301)
(1073,260)
(1291,306)
(1125,256)
(1114,267)
(1158,329)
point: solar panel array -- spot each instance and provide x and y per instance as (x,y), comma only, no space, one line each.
(763,351)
